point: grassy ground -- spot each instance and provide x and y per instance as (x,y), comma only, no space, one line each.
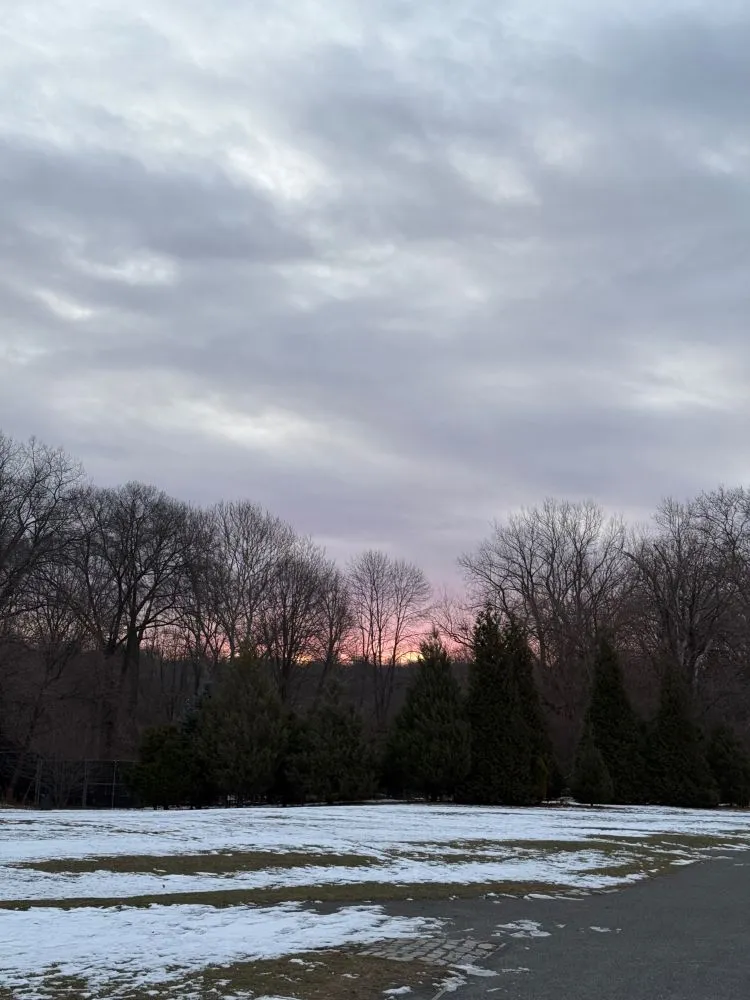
(205,863)
(362,893)
(627,857)
(329,975)
(332,974)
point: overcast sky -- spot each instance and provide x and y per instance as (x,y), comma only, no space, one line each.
(387,268)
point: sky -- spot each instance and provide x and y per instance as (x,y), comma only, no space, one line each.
(390,269)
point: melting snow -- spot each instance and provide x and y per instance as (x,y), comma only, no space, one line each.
(370,830)
(404,844)
(523,929)
(142,946)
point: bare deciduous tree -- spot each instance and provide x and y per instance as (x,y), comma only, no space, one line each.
(690,570)
(336,622)
(198,638)
(247,543)
(50,634)
(35,488)
(390,600)
(453,618)
(293,614)
(561,570)
(131,559)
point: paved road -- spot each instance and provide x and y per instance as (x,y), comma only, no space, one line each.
(682,936)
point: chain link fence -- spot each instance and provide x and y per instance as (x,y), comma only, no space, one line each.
(51,783)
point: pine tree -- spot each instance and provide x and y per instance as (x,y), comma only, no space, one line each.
(730,767)
(325,757)
(198,766)
(293,780)
(162,775)
(508,741)
(489,706)
(592,782)
(342,768)
(679,774)
(615,728)
(241,731)
(535,736)
(429,745)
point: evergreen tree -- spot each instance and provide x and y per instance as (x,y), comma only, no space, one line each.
(678,772)
(591,782)
(508,741)
(535,736)
(241,731)
(198,765)
(325,757)
(429,747)
(342,768)
(615,728)
(488,704)
(730,767)
(162,775)
(292,785)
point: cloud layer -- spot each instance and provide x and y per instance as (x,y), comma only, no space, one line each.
(389,269)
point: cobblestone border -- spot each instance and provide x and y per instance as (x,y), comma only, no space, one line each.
(443,951)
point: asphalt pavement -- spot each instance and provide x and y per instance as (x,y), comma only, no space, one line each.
(680,936)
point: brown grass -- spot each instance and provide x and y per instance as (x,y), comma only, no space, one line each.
(627,856)
(364,892)
(223,863)
(330,975)
(324,975)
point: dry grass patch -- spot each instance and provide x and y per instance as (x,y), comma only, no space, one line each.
(688,841)
(324,975)
(330,975)
(361,893)
(222,863)
(629,854)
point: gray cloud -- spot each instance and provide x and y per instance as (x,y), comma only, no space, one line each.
(389,271)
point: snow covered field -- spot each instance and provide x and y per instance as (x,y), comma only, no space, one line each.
(84,870)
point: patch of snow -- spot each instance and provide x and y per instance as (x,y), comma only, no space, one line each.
(398,991)
(573,869)
(372,830)
(475,970)
(450,985)
(601,930)
(138,947)
(523,929)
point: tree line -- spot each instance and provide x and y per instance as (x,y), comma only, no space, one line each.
(144,611)
(129,576)
(486,744)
